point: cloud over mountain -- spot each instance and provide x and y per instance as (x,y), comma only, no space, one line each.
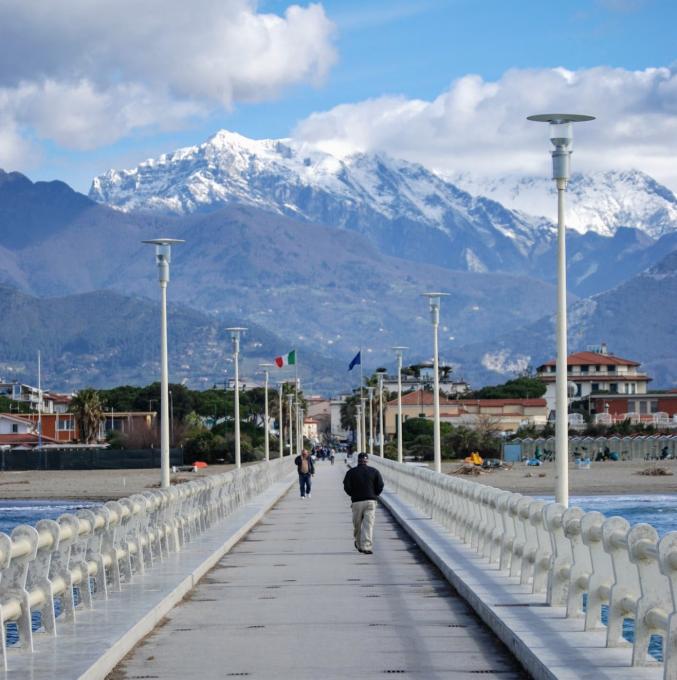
(479,126)
(85,74)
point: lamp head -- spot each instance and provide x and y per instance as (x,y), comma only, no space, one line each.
(163,254)
(235,336)
(434,299)
(562,136)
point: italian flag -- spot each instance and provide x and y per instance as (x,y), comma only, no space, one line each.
(286,359)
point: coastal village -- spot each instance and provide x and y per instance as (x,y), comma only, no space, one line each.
(605,391)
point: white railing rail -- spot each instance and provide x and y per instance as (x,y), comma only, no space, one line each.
(91,553)
(565,554)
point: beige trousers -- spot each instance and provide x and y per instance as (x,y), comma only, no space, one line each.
(364,514)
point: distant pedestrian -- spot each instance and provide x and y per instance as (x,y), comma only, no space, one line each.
(306,469)
(364,485)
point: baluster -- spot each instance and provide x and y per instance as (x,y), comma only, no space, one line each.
(5,561)
(625,591)
(14,578)
(39,572)
(652,608)
(667,555)
(558,579)
(602,578)
(581,566)
(530,549)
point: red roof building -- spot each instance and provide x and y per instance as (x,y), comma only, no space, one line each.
(595,372)
(505,415)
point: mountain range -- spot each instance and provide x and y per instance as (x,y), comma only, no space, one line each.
(104,338)
(331,254)
(410,212)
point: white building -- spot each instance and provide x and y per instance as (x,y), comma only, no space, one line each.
(336,428)
(595,372)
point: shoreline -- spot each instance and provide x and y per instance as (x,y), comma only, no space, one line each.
(602,479)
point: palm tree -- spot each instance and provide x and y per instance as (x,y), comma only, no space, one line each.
(87,408)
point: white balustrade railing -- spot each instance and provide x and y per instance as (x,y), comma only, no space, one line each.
(564,553)
(91,553)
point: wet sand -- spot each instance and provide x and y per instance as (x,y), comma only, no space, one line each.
(609,478)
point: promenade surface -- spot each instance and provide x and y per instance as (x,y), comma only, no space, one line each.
(295,601)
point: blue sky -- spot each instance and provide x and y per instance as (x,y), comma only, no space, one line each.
(413,49)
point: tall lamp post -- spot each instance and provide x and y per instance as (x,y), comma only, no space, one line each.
(561,135)
(358,417)
(280,420)
(290,403)
(398,353)
(363,422)
(434,300)
(381,436)
(370,392)
(266,446)
(163,257)
(235,332)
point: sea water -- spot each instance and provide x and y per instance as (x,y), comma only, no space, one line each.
(15,512)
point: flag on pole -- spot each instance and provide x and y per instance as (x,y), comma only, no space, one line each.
(357,361)
(286,359)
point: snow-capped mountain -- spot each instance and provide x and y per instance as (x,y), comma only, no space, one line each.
(402,207)
(601,202)
(623,222)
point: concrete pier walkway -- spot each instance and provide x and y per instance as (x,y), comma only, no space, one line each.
(295,601)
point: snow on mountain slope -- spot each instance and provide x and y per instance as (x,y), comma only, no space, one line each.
(404,209)
(367,193)
(601,202)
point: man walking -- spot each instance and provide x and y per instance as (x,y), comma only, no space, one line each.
(306,468)
(364,485)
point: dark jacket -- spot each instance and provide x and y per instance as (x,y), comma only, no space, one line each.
(311,465)
(363,483)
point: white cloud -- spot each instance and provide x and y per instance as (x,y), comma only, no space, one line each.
(479,127)
(86,73)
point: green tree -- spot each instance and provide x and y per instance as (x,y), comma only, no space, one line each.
(524,387)
(88,411)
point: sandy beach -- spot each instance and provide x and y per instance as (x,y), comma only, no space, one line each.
(600,479)
(100,485)
(609,478)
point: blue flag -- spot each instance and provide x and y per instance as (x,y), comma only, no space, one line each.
(357,360)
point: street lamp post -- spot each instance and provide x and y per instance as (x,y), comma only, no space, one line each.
(561,135)
(299,420)
(171,418)
(434,300)
(266,445)
(380,414)
(280,420)
(398,353)
(358,418)
(370,392)
(235,332)
(363,420)
(300,429)
(163,257)
(290,401)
